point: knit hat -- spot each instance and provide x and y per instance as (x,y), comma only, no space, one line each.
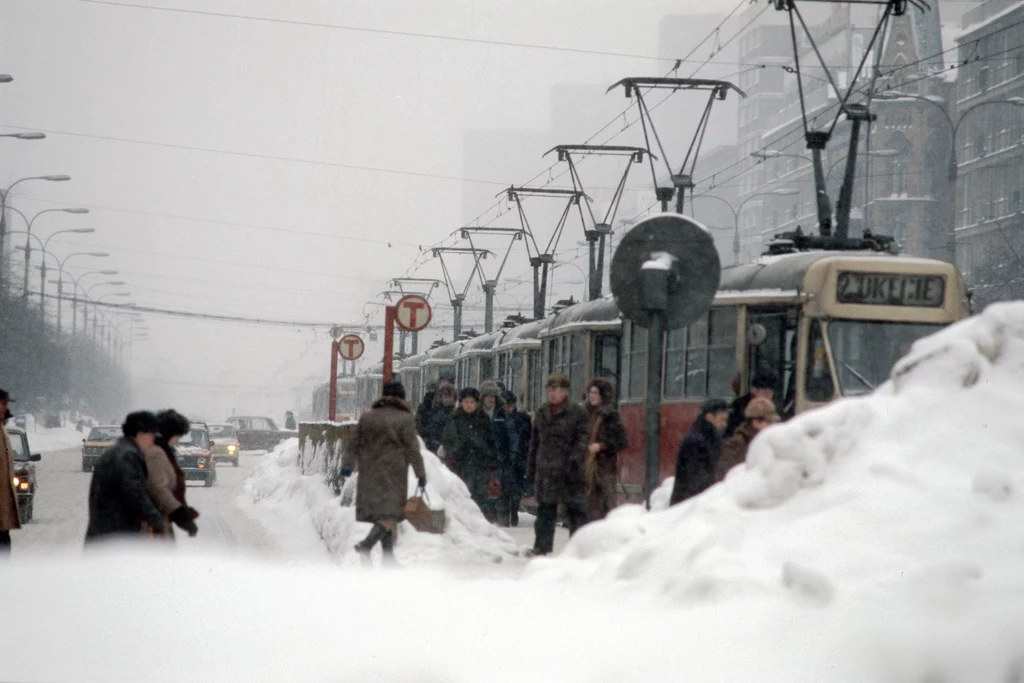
(760,409)
(490,388)
(469,392)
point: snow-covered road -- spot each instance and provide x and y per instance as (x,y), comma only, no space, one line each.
(61,510)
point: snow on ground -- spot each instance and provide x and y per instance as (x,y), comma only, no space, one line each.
(887,527)
(55,439)
(283,496)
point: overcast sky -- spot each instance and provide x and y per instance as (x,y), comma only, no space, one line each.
(228,163)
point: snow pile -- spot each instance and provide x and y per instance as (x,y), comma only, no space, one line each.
(888,525)
(279,488)
(55,439)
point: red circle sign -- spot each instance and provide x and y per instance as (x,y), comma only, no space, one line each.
(351,347)
(413,313)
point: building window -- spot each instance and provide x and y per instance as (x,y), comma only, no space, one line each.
(637,361)
(979,145)
(983,79)
(899,175)
(697,358)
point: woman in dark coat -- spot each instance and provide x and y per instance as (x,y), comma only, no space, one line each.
(607,439)
(383,448)
(166,480)
(436,419)
(699,451)
(471,451)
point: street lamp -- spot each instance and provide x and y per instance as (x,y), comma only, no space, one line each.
(60,280)
(74,289)
(4,195)
(779,192)
(28,244)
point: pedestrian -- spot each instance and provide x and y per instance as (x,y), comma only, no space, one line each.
(383,447)
(166,480)
(607,438)
(471,449)
(762,386)
(512,470)
(700,450)
(759,414)
(289,420)
(10,516)
(425,408)
(439,416)
(556,463)
(494,408)
(119,502)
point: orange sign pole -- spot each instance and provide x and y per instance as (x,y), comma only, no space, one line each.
(332,402)
(389,340)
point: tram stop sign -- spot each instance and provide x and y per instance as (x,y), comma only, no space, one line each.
(675,242)
(412,313)
(351,347)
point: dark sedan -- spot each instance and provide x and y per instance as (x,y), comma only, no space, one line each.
(24,472)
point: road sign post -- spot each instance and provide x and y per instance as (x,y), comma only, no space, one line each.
(412,313)
(350,347)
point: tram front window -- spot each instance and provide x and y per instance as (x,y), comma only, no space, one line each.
(865,352)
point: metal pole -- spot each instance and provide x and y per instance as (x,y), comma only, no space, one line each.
(60,296)
(489,288)
(600,267)
(654,352)
(543,286)
(591,247)
(42,288)
(415,343)
(389,340)
(332,401)
(28,259)
(457,322)
(816,141)
(74,311)
(845,202)
(538,305)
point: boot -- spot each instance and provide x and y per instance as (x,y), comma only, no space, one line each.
(387,545)
(377,533)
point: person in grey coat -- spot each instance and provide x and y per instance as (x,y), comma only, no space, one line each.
(119,501)
(556,462)
(383,448)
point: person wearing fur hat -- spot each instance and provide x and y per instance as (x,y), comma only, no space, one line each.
(759,414)
(383,448)
(493,407)
(557,461)
(166,480)
(607,439)
(470,448)
(10,517)
(437,417)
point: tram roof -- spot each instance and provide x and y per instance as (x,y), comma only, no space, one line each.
(485,342)
(414,361)
(443,353)
(599,313)
(527,334)
(783,273)
(377,369)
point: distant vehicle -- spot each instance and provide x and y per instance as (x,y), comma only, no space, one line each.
(99,439)
(195,455)
(258,433)
(225,443)
(346,407)
(24,472)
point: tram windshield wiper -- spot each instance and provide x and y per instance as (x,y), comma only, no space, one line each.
(859,376)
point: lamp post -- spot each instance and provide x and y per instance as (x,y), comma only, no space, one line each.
(28,244)
(42,269)
(4,196)
(95,310)
(779,192)
(87,291)
(60,278)
(952,167)
(75,283)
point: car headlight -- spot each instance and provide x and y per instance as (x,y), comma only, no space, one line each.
(16,481)
(24,486)
(231,449)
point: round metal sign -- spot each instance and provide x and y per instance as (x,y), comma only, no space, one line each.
(351,347)
(412,313)
(336,332)
(679,244)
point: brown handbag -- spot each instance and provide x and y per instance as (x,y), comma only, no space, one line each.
(422,518)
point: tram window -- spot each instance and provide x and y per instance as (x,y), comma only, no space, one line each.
(503,371)
(818,385)
(697,358)
(606,359)
(637,361)
(675,348)
(486,368)
(578,365)
(537,378)
(722,352)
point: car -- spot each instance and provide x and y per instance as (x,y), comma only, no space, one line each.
(24,472)
(258,433)
(225,443)
(99,439)
(195,455)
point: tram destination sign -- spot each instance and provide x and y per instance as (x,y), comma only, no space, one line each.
(890,289)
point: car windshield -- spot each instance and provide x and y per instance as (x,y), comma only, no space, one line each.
(17,441)
(865,352)
(197,437)
(105,434)
(222,431)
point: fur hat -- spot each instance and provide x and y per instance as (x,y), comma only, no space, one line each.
(760,409)
(557,380)
(469,392)
(172,423)
(445,390)
(394,388)
(606,389)
(490,388)
(141,421)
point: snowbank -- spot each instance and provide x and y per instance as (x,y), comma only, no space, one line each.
(279,488)
(56,439)
(887,527)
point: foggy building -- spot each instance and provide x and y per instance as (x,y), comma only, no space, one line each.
(988,150)
(498,156)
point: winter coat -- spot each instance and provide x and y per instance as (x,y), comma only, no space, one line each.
(471,449)
(382,449)
(434,423)
(10,518)
(697,459)
(166,483)
(558,453)
(606,428)
(423,412)
(512,470)
(289,422)
(734,451)
(119,501)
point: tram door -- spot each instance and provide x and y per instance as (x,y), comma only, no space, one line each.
(774,351)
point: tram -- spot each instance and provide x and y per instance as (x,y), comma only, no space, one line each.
(346,407)
(826,324)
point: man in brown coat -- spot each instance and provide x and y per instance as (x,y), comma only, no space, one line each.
(557,461)
(10,518)
(383,448)
(758,414)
